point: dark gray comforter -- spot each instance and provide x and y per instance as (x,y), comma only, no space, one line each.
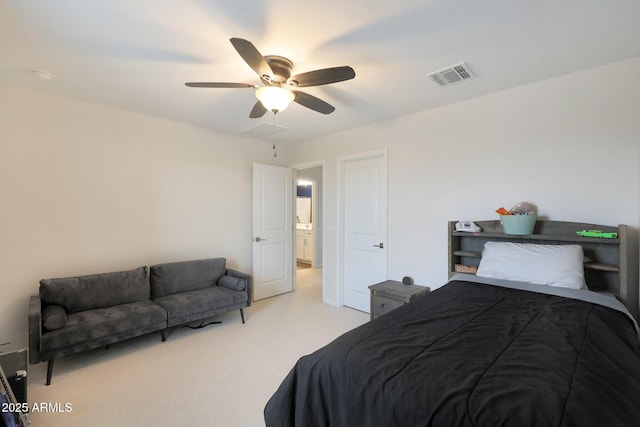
(471,354)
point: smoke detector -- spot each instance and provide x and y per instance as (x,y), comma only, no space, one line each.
(450,75)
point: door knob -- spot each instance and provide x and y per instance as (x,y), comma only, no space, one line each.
(381,246)
(259,239)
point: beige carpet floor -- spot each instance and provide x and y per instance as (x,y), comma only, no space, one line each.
(221,375)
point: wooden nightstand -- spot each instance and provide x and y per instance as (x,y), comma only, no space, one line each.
(391,294)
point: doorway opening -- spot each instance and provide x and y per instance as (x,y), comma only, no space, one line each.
(309,226)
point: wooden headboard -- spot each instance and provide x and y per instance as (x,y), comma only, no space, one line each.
(607,268)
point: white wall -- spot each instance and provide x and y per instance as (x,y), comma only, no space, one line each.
(88,189)
(571,145)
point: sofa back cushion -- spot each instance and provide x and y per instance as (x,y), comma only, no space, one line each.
(175,277)
(93,291)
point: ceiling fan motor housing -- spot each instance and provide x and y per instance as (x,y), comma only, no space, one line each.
(281,68)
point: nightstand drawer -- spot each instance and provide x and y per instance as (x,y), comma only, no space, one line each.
(382,305)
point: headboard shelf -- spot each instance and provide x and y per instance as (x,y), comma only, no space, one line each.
(601,266)
(606,268)
(468,253)
(545,237)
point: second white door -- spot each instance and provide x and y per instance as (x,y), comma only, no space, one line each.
(365,228)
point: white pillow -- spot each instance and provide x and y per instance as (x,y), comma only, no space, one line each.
(554,265)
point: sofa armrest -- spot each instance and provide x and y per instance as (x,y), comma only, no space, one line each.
(246,277)
(35,328)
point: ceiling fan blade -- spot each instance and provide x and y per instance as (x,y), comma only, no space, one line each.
(313,103)
(322,77)
(251,56)
(257,111)
(220,85)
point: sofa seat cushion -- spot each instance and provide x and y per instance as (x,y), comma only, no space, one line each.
(93,291)
(92,325)
(199,304)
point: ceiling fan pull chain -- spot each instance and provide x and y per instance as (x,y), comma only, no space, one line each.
(273,137)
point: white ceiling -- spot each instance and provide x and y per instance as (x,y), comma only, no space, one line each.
(136,55)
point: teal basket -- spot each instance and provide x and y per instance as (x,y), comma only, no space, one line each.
(518,224)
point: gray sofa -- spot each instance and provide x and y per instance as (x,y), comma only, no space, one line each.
(74,314)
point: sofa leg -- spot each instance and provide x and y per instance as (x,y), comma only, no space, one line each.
(163,335)
(49,371)
(242,315)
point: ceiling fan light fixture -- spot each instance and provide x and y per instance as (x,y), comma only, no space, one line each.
(275,98)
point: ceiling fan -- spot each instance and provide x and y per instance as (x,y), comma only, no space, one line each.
(279,85)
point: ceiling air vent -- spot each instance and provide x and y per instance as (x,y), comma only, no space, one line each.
(450,75)
(264,130)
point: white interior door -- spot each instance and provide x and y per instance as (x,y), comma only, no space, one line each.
(272,230)
(365,228)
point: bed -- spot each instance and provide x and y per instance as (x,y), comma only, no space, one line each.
(484,350)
